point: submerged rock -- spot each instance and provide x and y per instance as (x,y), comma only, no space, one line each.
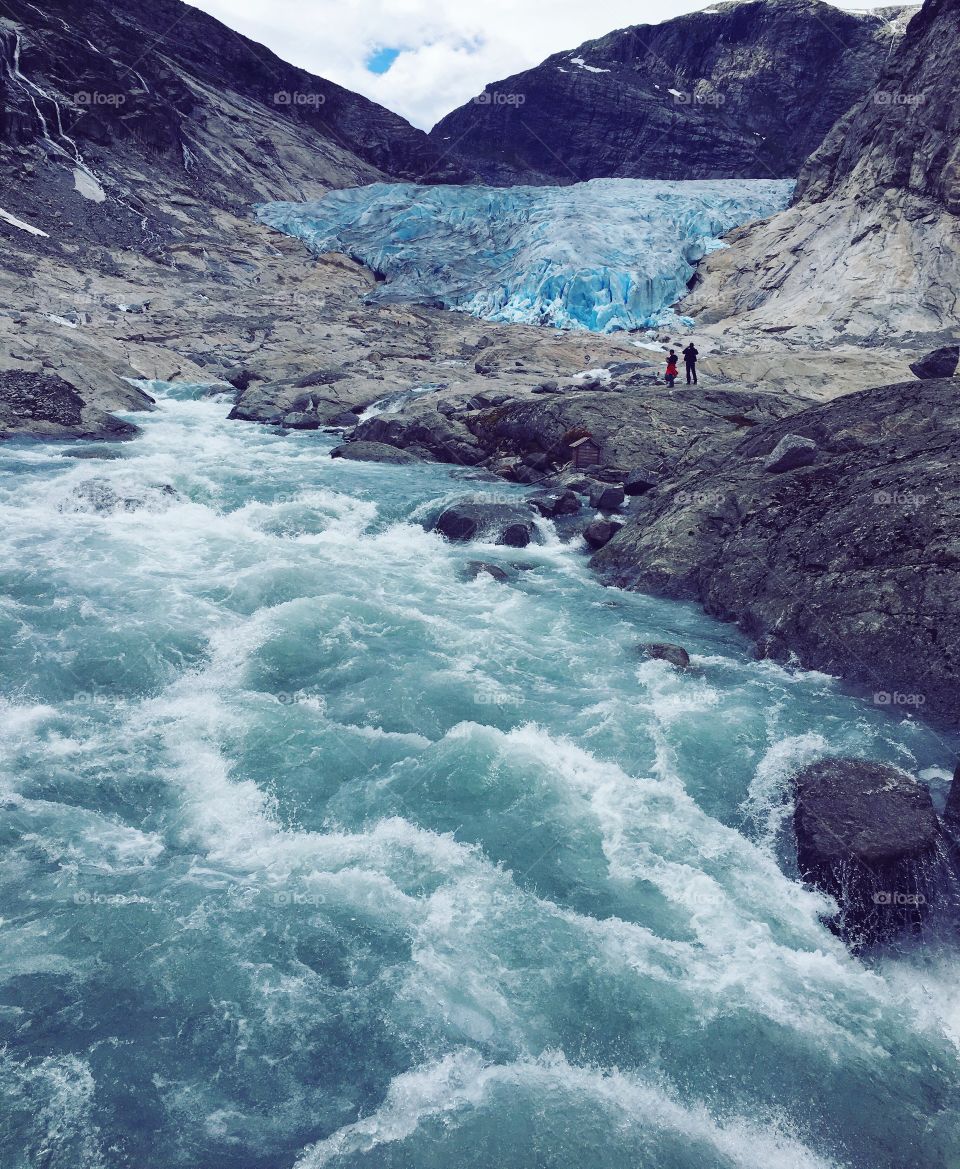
(941,362)
(496,523)
(866,835)
(665,651)
(477,568)
(103,497)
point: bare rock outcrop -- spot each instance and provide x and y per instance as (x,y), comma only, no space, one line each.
(871,246)
(852,564)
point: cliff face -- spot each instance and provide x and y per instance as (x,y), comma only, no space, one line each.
(163,89)
(742,90)
(872,244)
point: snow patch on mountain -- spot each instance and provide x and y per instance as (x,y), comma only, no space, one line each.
(605,255)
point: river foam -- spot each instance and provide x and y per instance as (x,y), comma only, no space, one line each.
(320,852)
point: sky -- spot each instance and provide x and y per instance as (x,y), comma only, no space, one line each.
(423,58)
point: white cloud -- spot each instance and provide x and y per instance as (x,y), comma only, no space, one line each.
(450,48)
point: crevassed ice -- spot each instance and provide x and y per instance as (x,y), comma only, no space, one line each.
(604,255)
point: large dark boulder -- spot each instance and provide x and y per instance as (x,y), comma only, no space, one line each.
(867,835)
(495,523)
(665,651)
(791,451)
(600,532)
(941,362)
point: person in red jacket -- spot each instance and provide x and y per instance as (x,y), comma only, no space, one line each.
(672,371)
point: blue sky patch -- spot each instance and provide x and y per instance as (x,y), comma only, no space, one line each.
(382,59)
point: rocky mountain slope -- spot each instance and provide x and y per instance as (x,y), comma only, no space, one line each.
(133,141)
(141,107)
(872,245)
(739,90)
(846,555)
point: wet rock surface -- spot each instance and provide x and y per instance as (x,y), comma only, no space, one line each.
(37,405)
(494,523)
(852,564)
(665,651)
(867,835)
(372,452)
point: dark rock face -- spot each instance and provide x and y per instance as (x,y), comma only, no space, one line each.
(497,523)
(664,651)
(600,532)
(889,170)
(791,451)
(905,134)
(853,563)
(372,452)
(743,90)
(36,405)
(163,89)
(425,431)
(867,835)
(951,812)
(646,425)
(941,362)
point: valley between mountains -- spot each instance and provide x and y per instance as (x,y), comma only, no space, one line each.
(357,552)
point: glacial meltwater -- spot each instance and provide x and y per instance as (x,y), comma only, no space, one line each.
(318,850)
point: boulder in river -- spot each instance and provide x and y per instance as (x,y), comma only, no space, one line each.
(607,496)
(792,451)
(601,532)
(496,523)
(867,834)
(941,362)
(372,452)
(665,651)
(556,503)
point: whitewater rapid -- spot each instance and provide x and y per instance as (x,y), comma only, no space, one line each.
(318,851)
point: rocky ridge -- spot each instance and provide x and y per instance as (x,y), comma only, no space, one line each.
(740,90)
(871,246)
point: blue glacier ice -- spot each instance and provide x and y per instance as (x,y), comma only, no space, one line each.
(604,255)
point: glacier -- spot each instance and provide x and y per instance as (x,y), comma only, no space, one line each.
(605,255)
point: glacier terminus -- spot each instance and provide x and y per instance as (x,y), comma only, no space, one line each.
(605,255)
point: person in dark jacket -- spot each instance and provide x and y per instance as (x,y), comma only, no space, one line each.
(690,355)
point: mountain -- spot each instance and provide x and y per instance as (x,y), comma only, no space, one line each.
(740,90)
(871,246)
(131,96)
(134,140)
